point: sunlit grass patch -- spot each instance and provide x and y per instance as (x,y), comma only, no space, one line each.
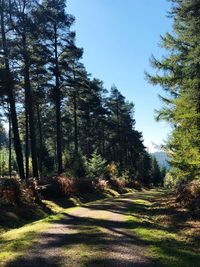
(168,244)
(13,243)
(168,255)
(155,235)
(142,201)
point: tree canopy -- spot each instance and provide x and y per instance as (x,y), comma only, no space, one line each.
(59,114)
(179,75)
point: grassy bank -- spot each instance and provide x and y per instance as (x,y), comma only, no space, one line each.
(12,216)
(13,242)
(169,231)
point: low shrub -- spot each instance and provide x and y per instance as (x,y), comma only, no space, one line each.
(57,186)
(15,192)
(84,186)
(135,184)
(188,194)
(100,185)
(10,191)
(118,184)
(30,192)
(63,185)
(111,170)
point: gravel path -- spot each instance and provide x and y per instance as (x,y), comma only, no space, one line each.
(95,235)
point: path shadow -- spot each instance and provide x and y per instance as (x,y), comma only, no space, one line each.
(86,233)
(73,230)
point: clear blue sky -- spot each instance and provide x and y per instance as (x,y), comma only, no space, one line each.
(118,37)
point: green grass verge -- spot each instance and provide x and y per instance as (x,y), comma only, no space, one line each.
(14,242)
(168,243)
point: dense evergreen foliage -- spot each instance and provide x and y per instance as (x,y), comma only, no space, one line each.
(179,75)
(62,120)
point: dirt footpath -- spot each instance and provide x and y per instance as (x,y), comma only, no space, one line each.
(95,235)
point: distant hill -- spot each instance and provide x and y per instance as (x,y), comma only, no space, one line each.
(161,158)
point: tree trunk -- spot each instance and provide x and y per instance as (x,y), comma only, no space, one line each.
(27,140)
(75,125)
(11,99)
(10,145)
(103,141)
(88,130)
(29,101)
(17,142)
(58,106)
(40,139)
(75,117)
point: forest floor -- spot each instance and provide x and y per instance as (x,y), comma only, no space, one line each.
(144,228)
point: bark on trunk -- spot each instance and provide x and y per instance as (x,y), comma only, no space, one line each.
(11,99)
(40,140)
(29,101)
(27,141)
(10,145)
(75,125)
(58,106)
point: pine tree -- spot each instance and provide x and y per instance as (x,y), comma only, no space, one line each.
(7,84)
(56,25)
(156,173)
(23,29)
(144,169)
(125,143)
(62,112)
(92,112)
(180,77)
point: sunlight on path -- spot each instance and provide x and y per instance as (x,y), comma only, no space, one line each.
(94,235)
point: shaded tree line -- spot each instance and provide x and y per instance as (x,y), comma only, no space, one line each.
(57,112)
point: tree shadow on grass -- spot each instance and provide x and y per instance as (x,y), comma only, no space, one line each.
(143,211)
(115,263)
(167,247)
(79,234)
(85,231)
(12,217)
